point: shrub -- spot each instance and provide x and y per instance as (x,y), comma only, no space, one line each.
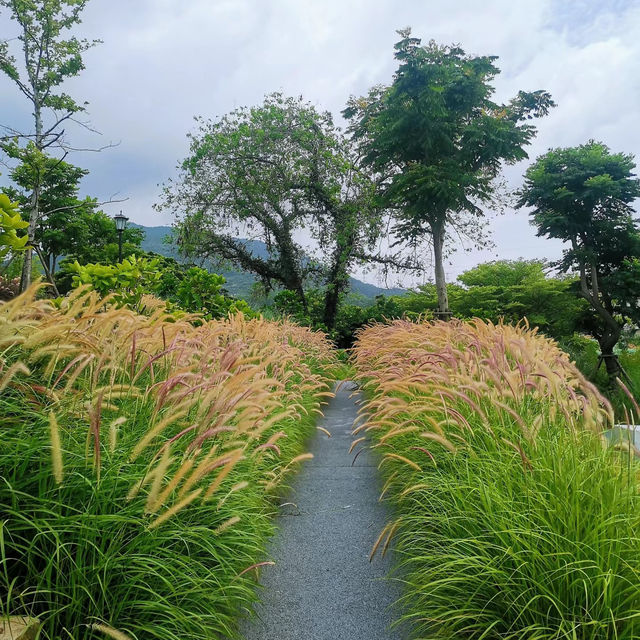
(514,520)
(140,457)
(128,281)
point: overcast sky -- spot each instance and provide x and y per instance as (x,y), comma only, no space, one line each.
(164,61)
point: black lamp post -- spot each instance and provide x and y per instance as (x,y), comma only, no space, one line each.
(121,225)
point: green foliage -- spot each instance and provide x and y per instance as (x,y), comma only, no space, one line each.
(439,135)
(68,226)
(48,57)
(268,172)
(512,518)
(508,290)
(78,541)
(349,319)
(10,223)
(504,273)
(496,552)
(513,290)
(583,195)
(127,281)
(185,288)
(203,292)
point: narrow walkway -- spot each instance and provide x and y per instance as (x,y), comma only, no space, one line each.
(323,586)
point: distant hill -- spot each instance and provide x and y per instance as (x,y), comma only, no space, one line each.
(239,283)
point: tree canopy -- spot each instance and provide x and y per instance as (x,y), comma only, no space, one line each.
(47,56)
(583,195)
(267,173)
(441,140)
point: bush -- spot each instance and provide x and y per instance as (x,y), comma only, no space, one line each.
(139,463)
(514,520)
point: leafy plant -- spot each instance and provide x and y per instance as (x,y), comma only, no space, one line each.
(10,223)
(441,140)
(583,195)
(140,460)
(202,292)
(127,281)
(514,520)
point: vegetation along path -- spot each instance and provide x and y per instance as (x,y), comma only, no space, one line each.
(322,585)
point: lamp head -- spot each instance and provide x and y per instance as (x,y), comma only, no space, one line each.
(121,221)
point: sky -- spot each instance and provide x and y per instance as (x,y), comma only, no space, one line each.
(162,62)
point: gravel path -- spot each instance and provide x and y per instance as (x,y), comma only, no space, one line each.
(323,586)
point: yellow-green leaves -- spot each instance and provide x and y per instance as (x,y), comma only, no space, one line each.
(10,223)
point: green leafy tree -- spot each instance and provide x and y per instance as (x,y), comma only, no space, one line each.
(510,291)
(96,243)
(202,292)
(186,288)
(441,140)
(583,195)
(266,173)
(60,229)
(504,273)
(513,290)
(48,57)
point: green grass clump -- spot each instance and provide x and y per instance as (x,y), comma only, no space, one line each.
(494,548)
(138,495)
(514,517)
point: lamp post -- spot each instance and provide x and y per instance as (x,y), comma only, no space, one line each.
(121,225)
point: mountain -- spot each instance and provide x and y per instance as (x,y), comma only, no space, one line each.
(239,283)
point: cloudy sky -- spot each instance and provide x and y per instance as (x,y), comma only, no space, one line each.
(164,61)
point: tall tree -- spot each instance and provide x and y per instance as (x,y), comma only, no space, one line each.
(268,173)
(48,58)
(583,195)
(442,140)
(60,220)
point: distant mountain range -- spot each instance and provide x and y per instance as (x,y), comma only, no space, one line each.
(239,283)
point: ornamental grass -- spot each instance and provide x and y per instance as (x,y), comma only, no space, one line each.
(140,459)
(514,516)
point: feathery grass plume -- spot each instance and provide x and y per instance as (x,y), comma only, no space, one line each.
(527,526)
(189,409)
(113,432)
(56,449)
(153,503)
(10,373)
(175,508)
(226,525)
(110,632)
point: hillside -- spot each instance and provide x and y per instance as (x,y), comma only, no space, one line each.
(239,283)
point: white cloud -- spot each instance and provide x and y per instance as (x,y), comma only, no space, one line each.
(164,61)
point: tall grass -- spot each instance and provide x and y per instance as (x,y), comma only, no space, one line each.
(140,457)
(514,517)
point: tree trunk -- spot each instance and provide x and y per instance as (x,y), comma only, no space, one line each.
(331,299)
(27,260)
(612,330)
(337,282)
(299,289)
(34,204)
(437,231)
(607,342)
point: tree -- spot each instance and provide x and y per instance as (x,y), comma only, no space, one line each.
(49,58)
(510,291)
(513,290)
(68,226)
(441,139)
(267,173)
(583,195)
(60,228)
